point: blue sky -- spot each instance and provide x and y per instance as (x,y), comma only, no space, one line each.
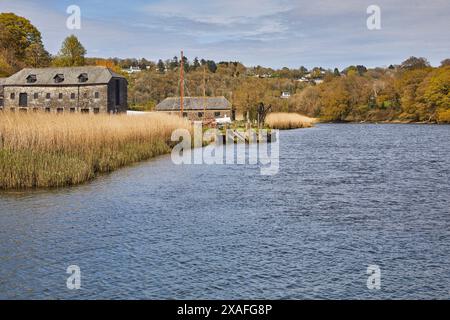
(273,33)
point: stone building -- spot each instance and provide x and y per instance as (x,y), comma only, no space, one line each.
(76,89)
(198,108)
(2,81)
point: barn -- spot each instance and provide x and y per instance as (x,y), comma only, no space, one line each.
(88,89)
(197,108)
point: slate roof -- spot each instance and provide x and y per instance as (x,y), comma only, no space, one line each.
(194,103)
(45,76)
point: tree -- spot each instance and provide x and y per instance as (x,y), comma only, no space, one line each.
(336,72)
(196,64)
(211,66)
(5,68)
(161,66)
(173,64)
(303,70)
(414,63)
(109,63)
(361,69)
(433,94)
(186,64)
(37,56)
(445,63)
(71,53)
(20,44)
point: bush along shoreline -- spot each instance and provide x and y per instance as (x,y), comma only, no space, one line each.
(47,151)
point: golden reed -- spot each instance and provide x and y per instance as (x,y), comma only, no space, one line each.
(284,121)
(47,150)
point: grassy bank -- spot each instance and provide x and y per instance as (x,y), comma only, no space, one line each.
(42,150)
(285,121)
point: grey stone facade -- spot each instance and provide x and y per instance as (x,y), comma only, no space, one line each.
(197,108)
(201,115)
(102,91)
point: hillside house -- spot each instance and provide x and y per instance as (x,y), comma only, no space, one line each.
(285,95)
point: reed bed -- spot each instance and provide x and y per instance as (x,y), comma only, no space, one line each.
(43,150)
(284,121)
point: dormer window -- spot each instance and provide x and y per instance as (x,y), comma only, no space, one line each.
(31,78)
(59,78)
(83,77)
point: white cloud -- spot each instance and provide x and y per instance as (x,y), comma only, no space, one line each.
(267,32)
(224,12)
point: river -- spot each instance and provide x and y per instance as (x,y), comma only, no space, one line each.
(346,196)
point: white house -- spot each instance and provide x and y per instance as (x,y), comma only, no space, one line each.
(132,70)
(285,95)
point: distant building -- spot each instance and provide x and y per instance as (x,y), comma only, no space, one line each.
(76,89)
(131,70)
(285,95)
(197,108)
(303,79)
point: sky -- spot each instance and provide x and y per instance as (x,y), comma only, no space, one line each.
(271,33)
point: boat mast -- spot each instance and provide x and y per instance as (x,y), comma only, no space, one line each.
(204,91)
(182,85)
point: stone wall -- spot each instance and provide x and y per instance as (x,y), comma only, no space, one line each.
(209,114)
(73,99)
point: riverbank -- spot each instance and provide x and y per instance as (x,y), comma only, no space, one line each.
(286,121)
(42,151)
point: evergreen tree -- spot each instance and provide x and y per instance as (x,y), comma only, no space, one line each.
(161,66)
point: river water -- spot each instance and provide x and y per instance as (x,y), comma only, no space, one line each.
(347,196)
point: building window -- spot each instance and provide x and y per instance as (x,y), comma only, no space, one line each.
(31,78)
(47,109)
(84,110)
(216,114)
(35,109)
(97,95)
(12,109)
(185,114)
(96,110)
(36,95)
(12,96)
(48,96)
(72,96)
(59,78)
(23,110)
(60,96)
(85,95)
(83,77)
(200,114)
(60,110)
(72,110)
